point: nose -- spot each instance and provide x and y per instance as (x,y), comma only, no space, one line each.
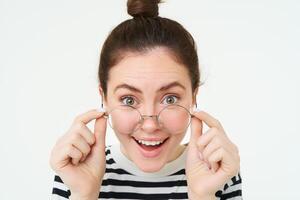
(150,123)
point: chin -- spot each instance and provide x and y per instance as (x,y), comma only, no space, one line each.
(150,167)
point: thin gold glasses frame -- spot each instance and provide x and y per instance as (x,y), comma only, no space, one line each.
(142,117)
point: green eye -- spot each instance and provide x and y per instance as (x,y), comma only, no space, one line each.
(171,99)
(128,101)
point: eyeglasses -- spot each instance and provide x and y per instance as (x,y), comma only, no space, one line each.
(126,119)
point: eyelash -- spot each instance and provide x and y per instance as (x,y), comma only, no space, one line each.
(124,98)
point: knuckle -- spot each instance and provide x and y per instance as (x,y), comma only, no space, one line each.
(223,151)
(90,138)
(214,130)
(217,141)
(77,155)
(74,137)
(78,126)
(69,148)
(236,149)
(93,139)
(77,119)
(211,159)
(218,123)
(87,150)
(200,142)
(204,154)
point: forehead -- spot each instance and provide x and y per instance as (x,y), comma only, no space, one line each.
(150,69)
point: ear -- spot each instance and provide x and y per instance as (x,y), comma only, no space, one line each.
(195,96)
(100,90)
(103,99)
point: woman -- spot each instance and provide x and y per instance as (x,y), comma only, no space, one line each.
(149,78)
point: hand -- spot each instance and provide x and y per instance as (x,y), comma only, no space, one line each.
(212,159)
(78,157)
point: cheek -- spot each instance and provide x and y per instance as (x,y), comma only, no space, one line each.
(124,120)
(123,138)
(175,121)
(176,139)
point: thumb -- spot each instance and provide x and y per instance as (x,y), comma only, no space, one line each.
(100,133)
(194,156)
(196,132)
(97,155)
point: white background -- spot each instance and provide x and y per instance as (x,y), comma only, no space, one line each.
(249,53)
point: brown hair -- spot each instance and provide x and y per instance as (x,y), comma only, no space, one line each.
(146,31)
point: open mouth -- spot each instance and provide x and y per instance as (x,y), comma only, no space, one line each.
(150,146)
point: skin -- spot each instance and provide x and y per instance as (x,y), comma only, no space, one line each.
(149,72)
(78,157)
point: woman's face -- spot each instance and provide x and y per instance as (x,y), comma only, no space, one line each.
(149,82)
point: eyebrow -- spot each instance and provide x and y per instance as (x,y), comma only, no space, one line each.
(163,88)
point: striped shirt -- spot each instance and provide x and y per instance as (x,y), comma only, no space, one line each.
(123,180)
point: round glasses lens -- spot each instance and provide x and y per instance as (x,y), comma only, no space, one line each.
(174,119)
(124,119)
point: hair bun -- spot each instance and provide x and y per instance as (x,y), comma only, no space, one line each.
(143,8)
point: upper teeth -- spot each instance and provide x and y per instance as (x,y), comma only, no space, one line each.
(152,143)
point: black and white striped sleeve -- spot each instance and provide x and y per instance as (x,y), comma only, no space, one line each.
(232,190)
(60,191)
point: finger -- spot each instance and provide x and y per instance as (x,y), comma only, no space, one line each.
(100,132)
(83,158)
(217,155)
(215,158)
(97,154)
(208,119)
(196,130)
(226,164)
(87,135)
(88,116)
(205,139)
(221,157)
(214,167)
(89,138)
(212,146)
(213,134)
(74,154)
(80,143)
(207,144)
(98,150)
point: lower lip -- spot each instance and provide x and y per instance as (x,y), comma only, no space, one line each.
(151,152)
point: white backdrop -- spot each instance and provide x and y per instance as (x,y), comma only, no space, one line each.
(249,53)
